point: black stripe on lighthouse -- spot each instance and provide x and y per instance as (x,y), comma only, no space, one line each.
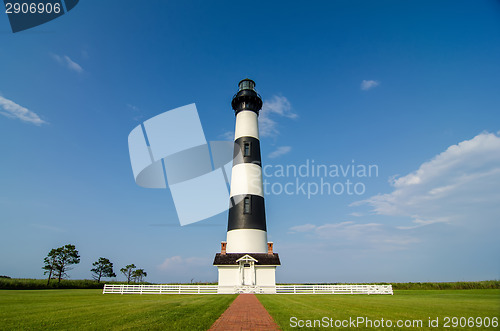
(247,213)
(246,150)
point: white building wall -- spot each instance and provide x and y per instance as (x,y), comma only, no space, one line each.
(228,276)
(265,275)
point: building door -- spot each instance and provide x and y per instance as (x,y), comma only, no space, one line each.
(247,274)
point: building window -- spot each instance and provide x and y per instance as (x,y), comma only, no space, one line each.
(246,148)
(246,265)
(247,208)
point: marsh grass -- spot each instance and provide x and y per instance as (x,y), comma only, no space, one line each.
(40,284)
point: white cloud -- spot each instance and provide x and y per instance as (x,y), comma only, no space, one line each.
(348,229)
(358,235)
(303,228)
(447,208)
(185,270)
(134,108)
(458,186)
(417,223)
(11,109)
(67,62)
(277,106)
(49,227)
(280,151)
(228,135)
(137,113)
(177,263)
(369,84)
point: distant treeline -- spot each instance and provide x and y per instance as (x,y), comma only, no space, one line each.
(39,284)
(487,284)
(7,283)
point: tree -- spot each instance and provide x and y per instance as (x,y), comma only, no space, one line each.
(138,275)
(127,271)
(58,261)
(50,264)
(102,268)
(67,255)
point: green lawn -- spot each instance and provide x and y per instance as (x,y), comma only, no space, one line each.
(92,310)
(403,305)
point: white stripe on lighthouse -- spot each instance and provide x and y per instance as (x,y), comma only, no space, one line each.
(246,179)
(247,124)
(246,241)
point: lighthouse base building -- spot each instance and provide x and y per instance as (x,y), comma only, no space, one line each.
(247,272)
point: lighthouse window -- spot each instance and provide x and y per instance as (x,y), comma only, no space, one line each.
(246,148)
(246,206)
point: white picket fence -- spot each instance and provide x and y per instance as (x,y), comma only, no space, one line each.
(334,289)
(160,289)
(279,289)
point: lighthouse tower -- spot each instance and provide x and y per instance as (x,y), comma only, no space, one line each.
(246,262)
(246,230)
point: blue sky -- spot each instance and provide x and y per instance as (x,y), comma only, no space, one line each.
(411,87)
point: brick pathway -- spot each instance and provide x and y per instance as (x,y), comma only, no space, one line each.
(245,313)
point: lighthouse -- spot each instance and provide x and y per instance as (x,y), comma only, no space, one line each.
(247,262)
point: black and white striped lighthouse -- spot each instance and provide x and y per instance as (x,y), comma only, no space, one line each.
(247,262)
(246,230)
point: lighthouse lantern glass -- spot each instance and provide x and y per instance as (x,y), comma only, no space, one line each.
(247,85)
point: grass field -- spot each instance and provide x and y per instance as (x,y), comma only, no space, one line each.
(92,310)
(403,305)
